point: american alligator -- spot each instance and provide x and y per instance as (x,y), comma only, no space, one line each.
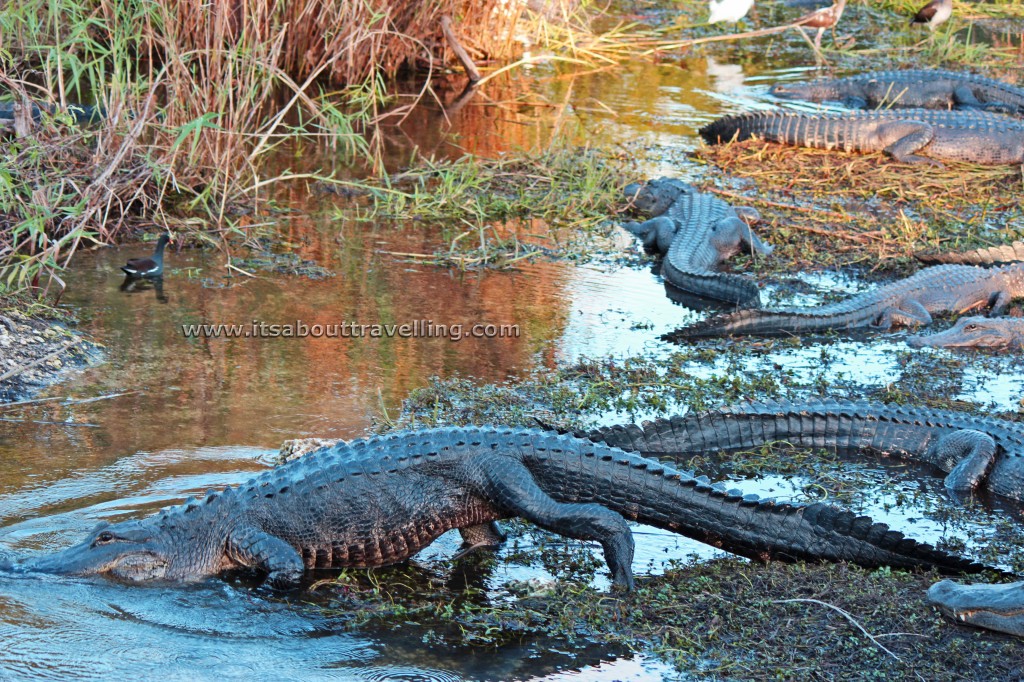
(972,136)
(379,500)
(994,607)
(989,255)
(916,88)
(695,232)
(80,113)
(910,301)
(972,450)
(977,332)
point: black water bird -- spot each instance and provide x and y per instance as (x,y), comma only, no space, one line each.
(148,267)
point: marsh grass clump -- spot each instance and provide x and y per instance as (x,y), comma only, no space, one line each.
(192,97)
(501,211)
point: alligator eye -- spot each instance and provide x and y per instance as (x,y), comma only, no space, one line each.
(970,327)
(105,536)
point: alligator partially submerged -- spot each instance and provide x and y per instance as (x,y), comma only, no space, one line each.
(988,255)
(914,88)
(974,451)
(696,232)
(910,135)
(379,500)
(994,607)
(976,332)
(910,301)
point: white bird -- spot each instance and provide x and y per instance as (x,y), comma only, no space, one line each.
(934,13)
(728,10)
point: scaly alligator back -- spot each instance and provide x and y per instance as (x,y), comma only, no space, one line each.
(971,136)
(846,427)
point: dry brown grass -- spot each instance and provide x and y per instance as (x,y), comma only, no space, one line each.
(828,208)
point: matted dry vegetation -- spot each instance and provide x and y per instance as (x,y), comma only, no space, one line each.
(826,208)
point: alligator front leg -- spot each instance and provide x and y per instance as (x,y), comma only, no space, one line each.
(509,486)
(252,548)
(997,303)
(903,138)
(656,234)
(968,455)
(910,313)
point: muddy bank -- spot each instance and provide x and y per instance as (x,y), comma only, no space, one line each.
(36,350)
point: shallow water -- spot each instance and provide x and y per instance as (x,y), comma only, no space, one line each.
(179,415)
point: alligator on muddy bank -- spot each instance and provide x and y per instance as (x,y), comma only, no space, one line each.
(974,451)
(914,88)
(695,233)
(910,301)
(977,332)
(378,501)
(910,135)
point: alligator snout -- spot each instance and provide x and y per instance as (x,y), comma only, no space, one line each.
(994,607)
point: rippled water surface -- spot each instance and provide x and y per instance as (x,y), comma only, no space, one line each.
(191,414)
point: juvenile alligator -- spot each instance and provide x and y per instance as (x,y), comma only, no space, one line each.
(910,301)
(977,332)
(380,500)
(695,232)
(989,255)
(995,607)
(972,450)
(972,136)
(915,88)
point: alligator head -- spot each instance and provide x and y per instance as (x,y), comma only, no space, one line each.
(994,607)
(655,196)
(809,90)
(974,332)
(131,551)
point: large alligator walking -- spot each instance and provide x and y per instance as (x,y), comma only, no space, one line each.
(914,88)
(977,332)
(910,136)
(910,301)
(988,255)
(696,232)
(379,500)
(974,451)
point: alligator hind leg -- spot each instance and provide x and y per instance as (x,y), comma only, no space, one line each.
(968,455)
(911,314)
(509,486)
(483,536)
(728,234)
(903,138)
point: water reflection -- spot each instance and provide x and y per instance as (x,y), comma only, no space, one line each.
(135,285)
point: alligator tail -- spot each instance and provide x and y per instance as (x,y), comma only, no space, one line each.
(992,255)
(764,323)
(658,495)
(734,289)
